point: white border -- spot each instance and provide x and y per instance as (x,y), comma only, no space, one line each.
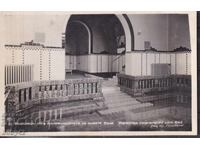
(192,21)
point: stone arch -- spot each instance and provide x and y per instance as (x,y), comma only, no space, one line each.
(88,31)
(125,22)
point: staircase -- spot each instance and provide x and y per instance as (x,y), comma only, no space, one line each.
(117,101)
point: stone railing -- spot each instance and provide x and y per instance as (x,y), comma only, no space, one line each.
(149,86)
(26,95)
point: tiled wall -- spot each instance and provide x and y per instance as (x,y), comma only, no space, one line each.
(48,63)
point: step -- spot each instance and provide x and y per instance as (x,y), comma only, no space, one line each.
(121,102)
(118,98)
(124,108)
(110,90)
(122,99)
(129,103)
(115,94)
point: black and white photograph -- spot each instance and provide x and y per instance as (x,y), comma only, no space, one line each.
(99,73)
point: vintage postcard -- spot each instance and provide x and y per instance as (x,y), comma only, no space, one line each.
(98,73)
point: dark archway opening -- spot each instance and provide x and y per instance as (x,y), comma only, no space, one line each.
(94,34)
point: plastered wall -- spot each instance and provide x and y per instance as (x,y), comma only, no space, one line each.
(139,63)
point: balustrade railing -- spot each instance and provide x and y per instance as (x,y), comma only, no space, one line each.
(26,95)
(138,86)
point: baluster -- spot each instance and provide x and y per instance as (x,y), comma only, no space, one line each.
(71,89)
(44,119)
(93,87)
(47,91)
(60,113)
(76,89)
(138,83)
(154,83)
(80,88)
(50,114)
(53,91)
(55,114)
(58,90)
(85,88)
(17,98)
(89,88)
(159,82)
(67,90)
(22,96)
(99,87)
(42,92)
(164,82)
(150,85)
(27,96)
(39,117)
(142,84)
(96,87)
(61,90)
(167,82)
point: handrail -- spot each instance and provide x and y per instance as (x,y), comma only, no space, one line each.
(121,54)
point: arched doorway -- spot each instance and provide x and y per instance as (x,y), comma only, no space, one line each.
(98,42)
(125,23)
(78,38)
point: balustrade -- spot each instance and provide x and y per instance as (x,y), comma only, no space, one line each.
(28,94)
(155,85)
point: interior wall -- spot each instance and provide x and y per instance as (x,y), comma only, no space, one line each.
(150,27)
(43,27)
(179,34)
(139,63)
(164,31)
